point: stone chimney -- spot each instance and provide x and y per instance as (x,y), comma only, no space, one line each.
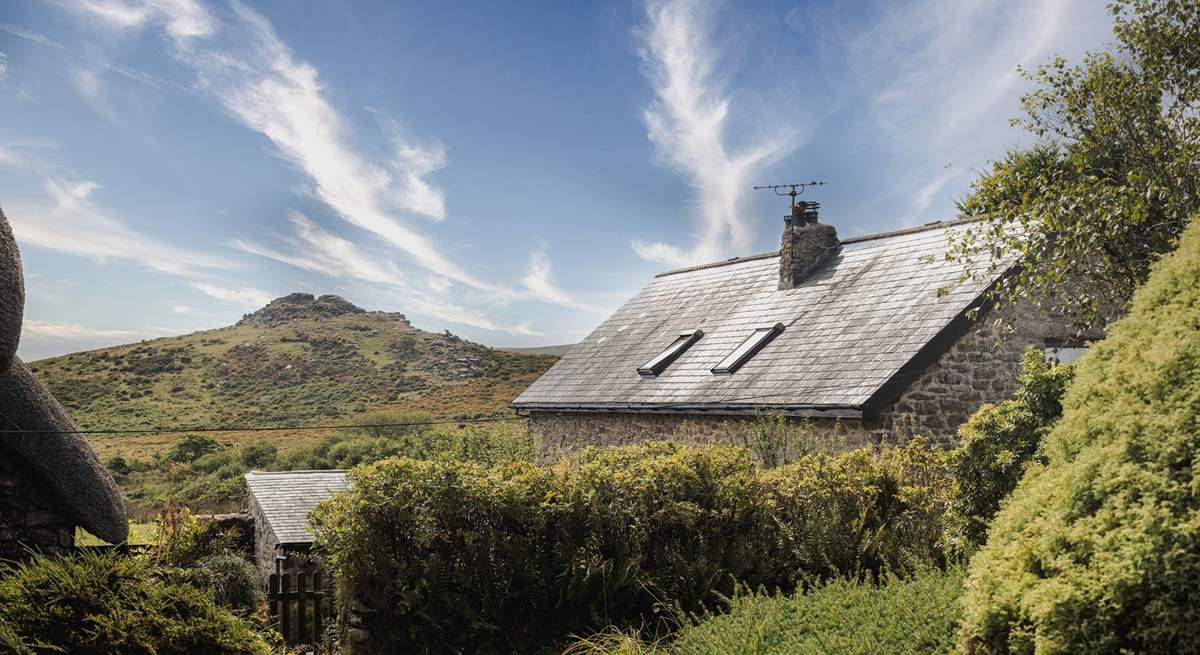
(806,245)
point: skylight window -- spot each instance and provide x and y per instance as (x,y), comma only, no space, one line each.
(747,349)
(662,360)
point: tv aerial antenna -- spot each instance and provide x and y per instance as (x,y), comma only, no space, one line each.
(793,189)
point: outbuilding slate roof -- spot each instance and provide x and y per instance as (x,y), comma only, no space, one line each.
(287,497)
(856,332)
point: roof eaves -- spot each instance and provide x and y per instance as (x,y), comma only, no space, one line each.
(933,349)
(724,409)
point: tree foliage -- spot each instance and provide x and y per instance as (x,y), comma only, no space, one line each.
(1114,178)
(1098,550)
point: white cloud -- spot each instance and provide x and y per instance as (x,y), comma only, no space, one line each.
(688,125)
(264,87)
(41,339)
(540,282)
(87,82)
(319,251)
(3,67)
(8,157)
(139,76)
(941,82)
(314,249)
(73,223)
(259,82)
(185,310)
(43,329)
(244,296)
(182,19)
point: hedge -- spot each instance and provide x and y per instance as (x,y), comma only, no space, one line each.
(462,557)
(1098,550)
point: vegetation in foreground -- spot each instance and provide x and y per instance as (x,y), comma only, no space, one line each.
(462,557)
(99,603)
(1098,549)
(846,616)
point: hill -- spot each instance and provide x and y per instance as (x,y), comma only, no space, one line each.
(558,351)
(299,360)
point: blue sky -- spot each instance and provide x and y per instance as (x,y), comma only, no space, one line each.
(508,171)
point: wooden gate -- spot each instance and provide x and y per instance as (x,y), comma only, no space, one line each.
(298,605)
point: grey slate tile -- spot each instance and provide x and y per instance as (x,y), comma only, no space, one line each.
(848,329)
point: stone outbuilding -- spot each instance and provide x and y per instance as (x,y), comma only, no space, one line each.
(50,478)
(868,337)
(280,502)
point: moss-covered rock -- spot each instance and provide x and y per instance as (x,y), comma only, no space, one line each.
(1098,550)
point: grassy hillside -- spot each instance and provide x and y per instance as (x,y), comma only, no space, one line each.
(299,360)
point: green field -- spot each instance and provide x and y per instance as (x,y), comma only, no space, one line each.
(140,534)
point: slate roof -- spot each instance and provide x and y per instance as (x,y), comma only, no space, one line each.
(287,497)
(856,332)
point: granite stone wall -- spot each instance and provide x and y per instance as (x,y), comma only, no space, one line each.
(265,546)
(29,518)
(980,367)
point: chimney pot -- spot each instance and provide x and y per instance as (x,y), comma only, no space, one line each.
(806,245)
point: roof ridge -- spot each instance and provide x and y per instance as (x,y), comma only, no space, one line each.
(866,237)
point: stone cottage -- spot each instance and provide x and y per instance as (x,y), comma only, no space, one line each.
(280,503)
(869,336)
(50,478)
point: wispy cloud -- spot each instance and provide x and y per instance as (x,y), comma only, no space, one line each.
(182,19)
(311,248)
(185,310)
(139,76)
(8,157)
(259,82)
(72,222)
(688,125)
(41,339)
(244,296)
(263,86)
(46,329)
(540,282)
(3,67)
(940,81)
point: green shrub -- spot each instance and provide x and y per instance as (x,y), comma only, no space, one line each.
(258,454)
(231,579)
(352,447)
(1098,551)
(185,538)
(900,616)
(117,466)
(192,447)
(461,556)
(93,604)
(999,442)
